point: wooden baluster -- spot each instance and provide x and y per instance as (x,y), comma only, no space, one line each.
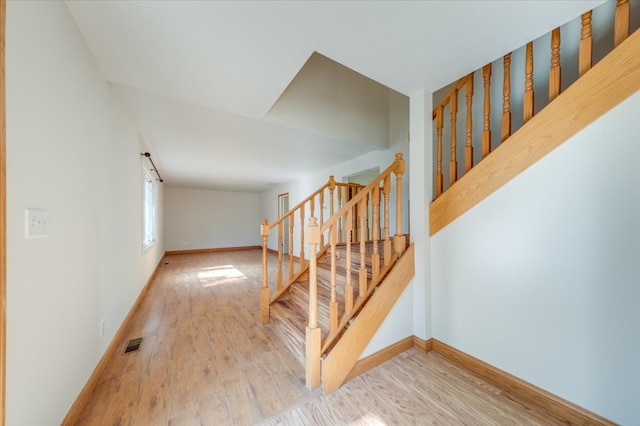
(340,221)
(386,190)
(528,84)
(555,73)
(399,240)
(348,291)
(586,45)
(312,207)
(506,98)
(369,225)
(365,234)
(375,257)
(332,187)
(301,259)
(348,196)
(321,207)
(621,31)
(313,334)
(362,217)
(357,232)
(468,151)
(453,163)
(486,122)
(439,126)
(280,248)
(292,217)
(264,291)
(333,306)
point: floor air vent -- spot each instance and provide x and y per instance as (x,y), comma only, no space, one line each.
(133,345)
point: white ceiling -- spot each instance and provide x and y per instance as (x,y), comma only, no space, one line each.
(200,76)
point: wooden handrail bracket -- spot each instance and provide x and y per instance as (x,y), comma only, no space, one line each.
(600,89)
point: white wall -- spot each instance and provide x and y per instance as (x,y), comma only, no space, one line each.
(200,219)
(542,279)
(70,150)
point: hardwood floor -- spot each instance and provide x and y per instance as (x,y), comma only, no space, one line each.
(206,359)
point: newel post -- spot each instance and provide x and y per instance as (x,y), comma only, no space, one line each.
(399,240)
(264,291)
(313,335)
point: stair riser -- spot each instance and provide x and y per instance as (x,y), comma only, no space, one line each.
(289,335)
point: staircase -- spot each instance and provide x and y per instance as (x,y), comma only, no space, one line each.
(348,275)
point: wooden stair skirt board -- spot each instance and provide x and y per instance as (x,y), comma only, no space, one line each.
(337,365)
(604,86)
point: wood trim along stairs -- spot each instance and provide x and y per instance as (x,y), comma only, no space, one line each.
(114,347)
(343,357)
(604,86)
(557,407)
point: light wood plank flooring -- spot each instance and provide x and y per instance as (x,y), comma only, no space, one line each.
(207,360)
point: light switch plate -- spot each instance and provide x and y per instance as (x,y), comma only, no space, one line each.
(36,223)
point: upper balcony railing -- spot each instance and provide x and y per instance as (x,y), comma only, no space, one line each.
(450,129)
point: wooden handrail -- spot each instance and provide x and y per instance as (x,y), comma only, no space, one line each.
(450,100)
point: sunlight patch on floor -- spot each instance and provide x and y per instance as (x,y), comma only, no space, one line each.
(217,275)
(368,420)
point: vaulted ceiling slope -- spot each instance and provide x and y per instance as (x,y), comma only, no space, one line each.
(200,76)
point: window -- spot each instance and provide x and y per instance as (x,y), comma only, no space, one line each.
(149,209)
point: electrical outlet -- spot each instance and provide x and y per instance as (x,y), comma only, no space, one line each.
(101,328)
(36,223)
